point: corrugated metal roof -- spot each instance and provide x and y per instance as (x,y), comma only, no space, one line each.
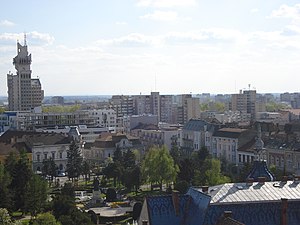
(257,192)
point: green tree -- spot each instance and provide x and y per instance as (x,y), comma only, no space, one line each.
(118,155)
(62,204)
(76,217)
(5,218)
(5,195)
(20,178)
(159,167)
(60,109)
(129,159)
(36,195)
(64,208)
(275,106)
(213,173)
(74,163)
(186,170)
(45,219)
(86,170)
(132,177)
(198,157)
(11,162)
(175,152)
(49,168)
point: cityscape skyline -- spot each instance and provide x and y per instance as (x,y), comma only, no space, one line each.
(139,46)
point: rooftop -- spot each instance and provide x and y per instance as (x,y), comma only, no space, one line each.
(240,193)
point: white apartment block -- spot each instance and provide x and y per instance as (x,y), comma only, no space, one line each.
(160,138)
(103,117)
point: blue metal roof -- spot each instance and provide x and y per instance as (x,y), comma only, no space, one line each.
(192,209)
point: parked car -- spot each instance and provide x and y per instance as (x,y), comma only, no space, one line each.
(61,174)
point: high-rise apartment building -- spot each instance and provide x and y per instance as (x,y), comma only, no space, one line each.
(24,93)
(247,102)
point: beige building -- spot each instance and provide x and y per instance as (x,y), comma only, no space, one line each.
(246,102)
(232,144)
(24,93)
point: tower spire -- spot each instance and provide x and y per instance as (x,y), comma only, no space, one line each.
(25,42)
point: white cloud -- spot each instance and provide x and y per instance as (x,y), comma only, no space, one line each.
(165,3)
(161,16)
(285,11)
(7,23)
(255,10)
(43,37)
(208,37)
(131,40)
(121,23)
(33,37)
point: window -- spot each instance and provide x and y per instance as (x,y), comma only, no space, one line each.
(53,155)
(38,158)
(45,155)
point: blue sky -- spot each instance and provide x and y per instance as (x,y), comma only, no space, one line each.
(138,46)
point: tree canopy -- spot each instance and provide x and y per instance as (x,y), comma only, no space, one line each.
(158,166)
(75,159)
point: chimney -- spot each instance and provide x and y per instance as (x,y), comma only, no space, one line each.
(249,181)
(261,180)
(227,214)
(284,207)
(284,179)
(13,140)
(175,199)
(296,178)
(145,222)
(205,189)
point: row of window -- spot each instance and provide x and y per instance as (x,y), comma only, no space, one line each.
(52,155)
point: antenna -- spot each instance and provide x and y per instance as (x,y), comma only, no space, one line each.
(25,43)
(155,82)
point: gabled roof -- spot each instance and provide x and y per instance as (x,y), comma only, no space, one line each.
(199,125)
(188,209)
(10,134)
(109,140)
(142,126)
(229,132)
(47,139)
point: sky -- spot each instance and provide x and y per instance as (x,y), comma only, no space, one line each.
(100,47)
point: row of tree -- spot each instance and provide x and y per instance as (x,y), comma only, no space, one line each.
(20,189)
(160,166)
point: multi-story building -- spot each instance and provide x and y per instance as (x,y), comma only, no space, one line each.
(142,104)
(167,109)
(88,133)
(24,92)
(105,146)
(40,146)
(285,97)
(246,101)
(103,117)
(193,108)
(197,133)
(123,106)
(157,137)
(131,122)
(232,143)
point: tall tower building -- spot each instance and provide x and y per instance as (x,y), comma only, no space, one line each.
(24,93)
